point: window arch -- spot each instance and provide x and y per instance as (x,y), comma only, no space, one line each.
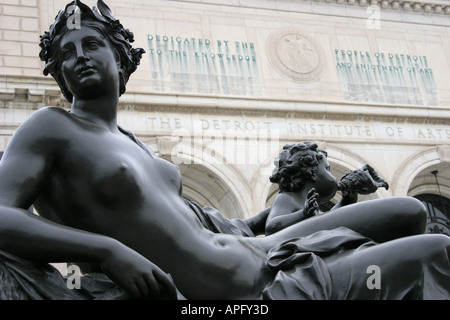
(206,188)
(438,217)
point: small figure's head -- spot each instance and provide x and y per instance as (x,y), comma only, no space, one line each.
(300,163)
(101,21)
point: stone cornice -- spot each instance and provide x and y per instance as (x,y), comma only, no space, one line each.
(427,6)
(36,92)
(424,6)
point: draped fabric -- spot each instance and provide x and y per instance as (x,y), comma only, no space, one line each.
(333,265)
(25,280)
(213,220)
(300,267)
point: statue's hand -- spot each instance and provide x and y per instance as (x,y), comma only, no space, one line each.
(311,205)
(363,181)
(141,278)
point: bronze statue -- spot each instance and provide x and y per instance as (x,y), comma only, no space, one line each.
(296,168)
(106,200)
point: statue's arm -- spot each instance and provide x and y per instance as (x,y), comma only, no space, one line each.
(257,223)
(33,238)
(361,181)
(348,198)
(25,168)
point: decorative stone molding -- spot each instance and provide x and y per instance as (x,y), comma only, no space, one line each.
(296,55)
(33,92)
(38,91)
(427,6)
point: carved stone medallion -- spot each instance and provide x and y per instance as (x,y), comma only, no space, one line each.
(295,55)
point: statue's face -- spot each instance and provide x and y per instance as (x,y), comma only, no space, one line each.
(88,63)
(326,183)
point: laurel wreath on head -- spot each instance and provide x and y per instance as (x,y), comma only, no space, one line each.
(100,13)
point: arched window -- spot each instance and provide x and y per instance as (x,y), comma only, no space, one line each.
(438,207)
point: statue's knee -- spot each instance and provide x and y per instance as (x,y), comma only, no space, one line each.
(410,214)
(416,213)
(438,244)
(417,208)
(420,214)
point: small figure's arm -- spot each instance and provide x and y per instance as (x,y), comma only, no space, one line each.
(286,210)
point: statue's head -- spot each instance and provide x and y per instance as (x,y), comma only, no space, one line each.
(100,19)
(296,164)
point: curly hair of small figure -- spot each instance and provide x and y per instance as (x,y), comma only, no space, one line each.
(101,19)
(296,164)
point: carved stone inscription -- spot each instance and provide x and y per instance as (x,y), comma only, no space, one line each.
(198,65)
(385,77)
(297,128)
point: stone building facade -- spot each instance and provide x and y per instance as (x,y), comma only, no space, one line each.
(225,84)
